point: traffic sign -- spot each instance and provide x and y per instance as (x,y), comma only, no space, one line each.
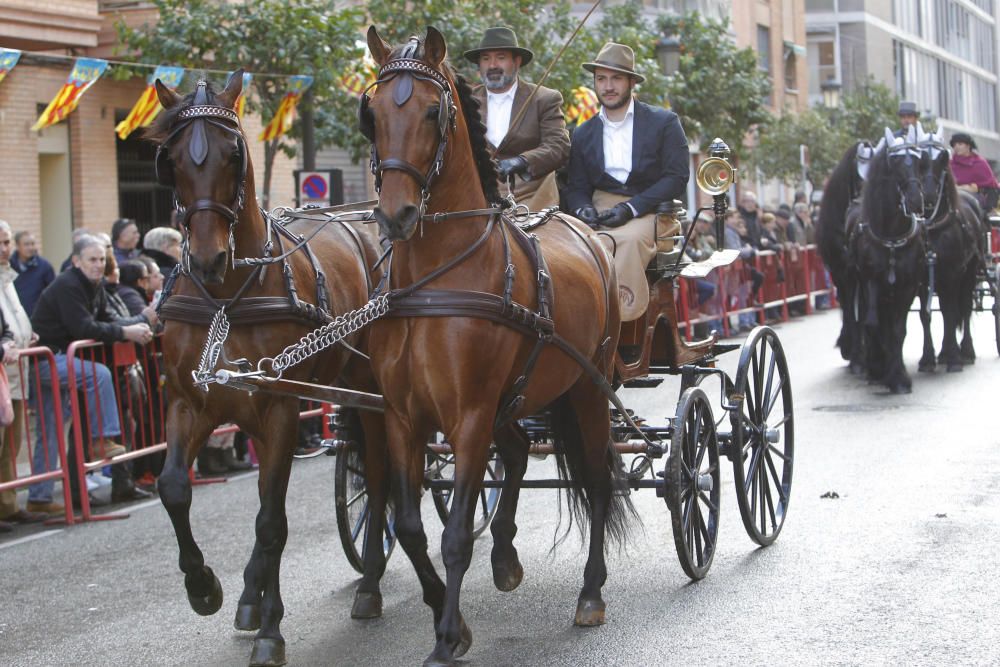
(323,187)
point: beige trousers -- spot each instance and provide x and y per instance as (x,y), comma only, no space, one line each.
(634,245)
(10,444)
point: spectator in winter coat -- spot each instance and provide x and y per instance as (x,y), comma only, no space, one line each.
(34,272)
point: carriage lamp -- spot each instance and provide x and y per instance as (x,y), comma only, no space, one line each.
(715,176)
(668,50)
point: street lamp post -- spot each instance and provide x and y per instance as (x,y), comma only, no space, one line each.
(831,93)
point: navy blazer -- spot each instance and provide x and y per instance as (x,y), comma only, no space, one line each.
(660,161)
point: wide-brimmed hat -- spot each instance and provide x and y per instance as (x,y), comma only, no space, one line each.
(907,109)
(962,137)
(616,57)
(499,39)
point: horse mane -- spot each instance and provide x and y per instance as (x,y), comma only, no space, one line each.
(160,128)
(880,203)
(831,227)
(487,168)
(952,201)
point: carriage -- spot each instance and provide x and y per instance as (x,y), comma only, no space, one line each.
(987,292)
(679,459)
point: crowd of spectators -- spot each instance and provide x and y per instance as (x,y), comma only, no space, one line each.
(106,291)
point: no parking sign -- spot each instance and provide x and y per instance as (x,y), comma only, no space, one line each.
(324,187)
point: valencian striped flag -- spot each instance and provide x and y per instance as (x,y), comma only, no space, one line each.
(241,103)
(582,107)
(282,121)
(358,81)
(85,72)
(148,105)
(8,58)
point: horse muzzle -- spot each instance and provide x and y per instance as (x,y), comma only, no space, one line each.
(399,226)
(210,272)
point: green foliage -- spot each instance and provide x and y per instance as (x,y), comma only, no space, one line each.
(866,111)
(284,37)
(718,90)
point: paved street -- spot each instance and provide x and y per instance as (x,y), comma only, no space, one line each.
(899,569)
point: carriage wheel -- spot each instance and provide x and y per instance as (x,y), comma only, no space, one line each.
(693,483)
(442,466)
(763,441)
(996,305)
(351,496)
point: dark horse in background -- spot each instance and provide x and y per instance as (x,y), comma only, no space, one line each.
(841,195)
(887,247)
(954,238)
(444,371)
(203,156)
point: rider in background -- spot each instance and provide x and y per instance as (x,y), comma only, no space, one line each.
(972,172)
(538,144)
(616,189)
(908,116)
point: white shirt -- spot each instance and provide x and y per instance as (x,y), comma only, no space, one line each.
(498,107)
(618,144)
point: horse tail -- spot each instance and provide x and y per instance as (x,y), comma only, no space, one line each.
(571,462)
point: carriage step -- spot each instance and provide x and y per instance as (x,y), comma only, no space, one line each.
(643,382)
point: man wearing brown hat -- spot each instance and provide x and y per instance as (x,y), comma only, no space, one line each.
(624,162)
(529,145)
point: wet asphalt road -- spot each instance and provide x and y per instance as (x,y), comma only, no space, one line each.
(900,569)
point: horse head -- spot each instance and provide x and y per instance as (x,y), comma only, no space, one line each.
(938,183)
(906,166)
(409,119)
(203,156)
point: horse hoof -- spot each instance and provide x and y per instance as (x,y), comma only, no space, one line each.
(856,368)
(589,613)
(206,605)
(926,366)
(955,367)
(247,617)
(507,576)
(367,605)
(268,652)
(434,661)
(901,389)
(464,641)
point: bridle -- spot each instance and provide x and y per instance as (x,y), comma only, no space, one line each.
(409,69)
(197,116)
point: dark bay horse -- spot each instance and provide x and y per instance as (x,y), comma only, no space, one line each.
(954,234)
(841,196)
(887,248)
(203,155)
(440,370)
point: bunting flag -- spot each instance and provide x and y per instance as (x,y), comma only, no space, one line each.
(148,105)
(356,83)
(85,72)
(241,103)
(8,58)
(282,121)
(583,107)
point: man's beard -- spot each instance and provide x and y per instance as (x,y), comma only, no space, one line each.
(496,79)
(621,102)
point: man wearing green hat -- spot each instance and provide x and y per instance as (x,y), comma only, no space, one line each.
(626,161)
(529,145)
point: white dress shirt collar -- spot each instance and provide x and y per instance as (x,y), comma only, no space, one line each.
(618,144)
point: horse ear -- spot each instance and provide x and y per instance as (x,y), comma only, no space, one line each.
(435,49)
(234,87)
(888,137)
(168,98)
(377,46)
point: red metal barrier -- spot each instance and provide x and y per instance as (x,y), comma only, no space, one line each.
(31,377)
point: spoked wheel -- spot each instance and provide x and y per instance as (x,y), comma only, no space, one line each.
(693,481)
(763,441)
(442,466)
(353,514)
(996,305)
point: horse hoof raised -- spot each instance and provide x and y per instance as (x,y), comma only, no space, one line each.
(247,617)
(367,605)
(507,575)
(268,652)
(208,604)
(589,613)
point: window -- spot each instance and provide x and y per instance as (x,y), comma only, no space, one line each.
(140,197)
(764,48)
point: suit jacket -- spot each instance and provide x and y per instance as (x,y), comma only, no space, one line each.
(660,161)
(540,137)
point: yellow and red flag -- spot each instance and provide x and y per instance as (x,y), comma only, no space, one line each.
(85,72)
(8,58)
(148,105)
(282,121)
(241,103)
(586,104)
(357,82)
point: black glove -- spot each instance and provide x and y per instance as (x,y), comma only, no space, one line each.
(588,215)
(511,166)
(615,216)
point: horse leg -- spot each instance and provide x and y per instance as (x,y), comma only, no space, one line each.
(274,446)
(471,445)
(927,360)
(186,433)
(512,445)
(897,379)
(967,351)
(949,341)
(368,597)
(407,452)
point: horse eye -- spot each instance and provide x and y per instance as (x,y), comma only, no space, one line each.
(433,112)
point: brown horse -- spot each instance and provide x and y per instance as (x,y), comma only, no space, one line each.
(203,155)
(452,373)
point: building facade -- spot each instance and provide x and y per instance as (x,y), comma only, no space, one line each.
(942,54)
(77,173)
